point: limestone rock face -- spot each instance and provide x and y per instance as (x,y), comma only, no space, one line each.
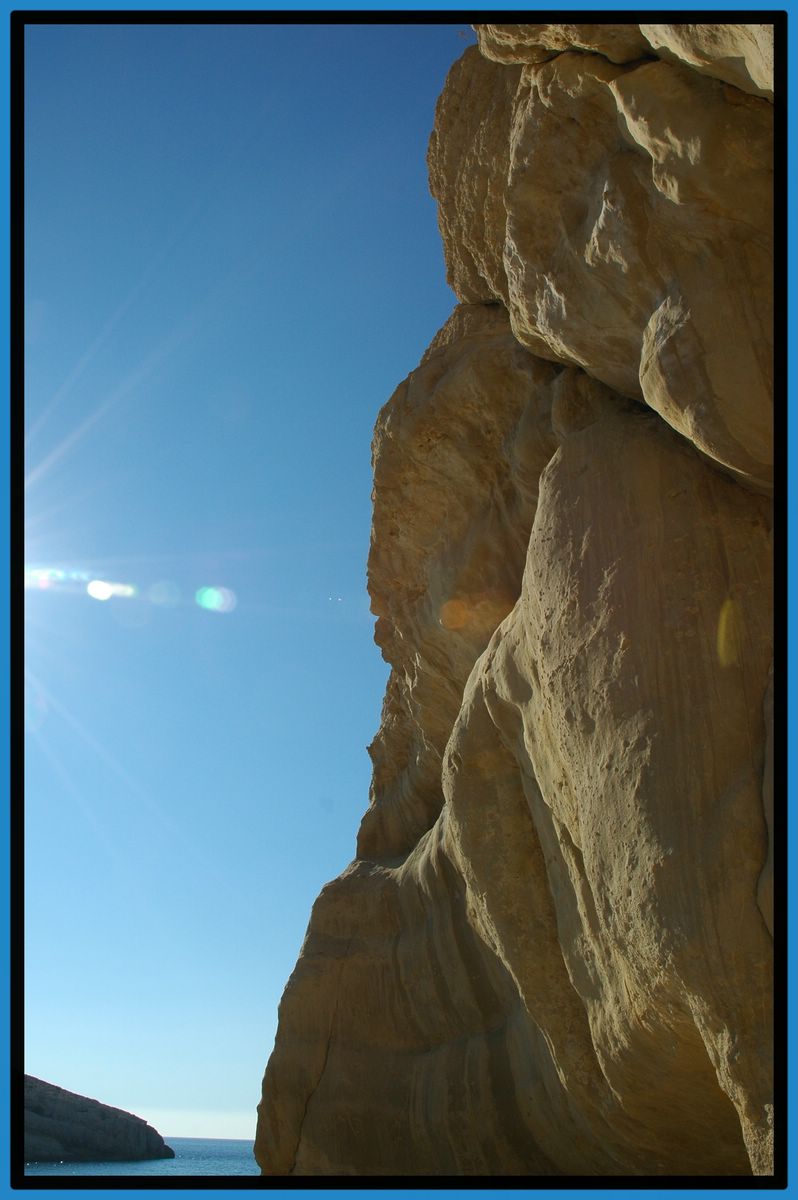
(738,54)
(61,1126)
(455,481)
(552,954)
(538,43)
(623,216)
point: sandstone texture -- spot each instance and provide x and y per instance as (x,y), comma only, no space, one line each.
(552,953)
(622,214)
(61,1126)
(738,54)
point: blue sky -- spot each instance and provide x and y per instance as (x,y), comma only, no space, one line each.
(231,261)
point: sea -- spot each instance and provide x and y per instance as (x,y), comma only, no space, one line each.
(193,1156)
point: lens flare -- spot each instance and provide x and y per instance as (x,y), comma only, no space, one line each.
(43,577)
(164,593)
(46,579)
(216,599)
(101,589)
(475,612)
(454,614)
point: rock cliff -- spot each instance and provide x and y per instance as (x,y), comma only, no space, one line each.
(61,1126)
(551,954)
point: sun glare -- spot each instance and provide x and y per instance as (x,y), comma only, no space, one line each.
(164,593)
(99,589)
(216,599)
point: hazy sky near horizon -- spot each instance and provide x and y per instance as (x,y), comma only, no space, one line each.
(231,260)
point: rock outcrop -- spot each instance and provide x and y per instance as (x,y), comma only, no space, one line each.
(622,214)
(552,953)
(61,1126)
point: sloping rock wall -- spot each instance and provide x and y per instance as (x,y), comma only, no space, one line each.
(61,1126)
(552,952)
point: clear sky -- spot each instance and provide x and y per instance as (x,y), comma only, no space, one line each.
(231,261)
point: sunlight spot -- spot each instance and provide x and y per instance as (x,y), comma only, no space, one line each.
(98,590)
(216,599)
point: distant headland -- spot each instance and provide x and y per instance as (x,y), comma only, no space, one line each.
(61,1126)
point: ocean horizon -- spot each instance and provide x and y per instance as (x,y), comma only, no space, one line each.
(193,1156)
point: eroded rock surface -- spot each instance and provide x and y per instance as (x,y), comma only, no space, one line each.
(61,1126)
(623,216)
(739,54)
(552,952)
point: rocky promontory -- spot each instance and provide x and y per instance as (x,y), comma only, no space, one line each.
(61,1126)
(552,953)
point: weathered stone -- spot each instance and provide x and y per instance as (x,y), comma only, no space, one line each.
(738,54)
(538,43)
(623,215)
(452,450)
(469,161)
(637,739)
(552,954)
(524,940)
(61,1126)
